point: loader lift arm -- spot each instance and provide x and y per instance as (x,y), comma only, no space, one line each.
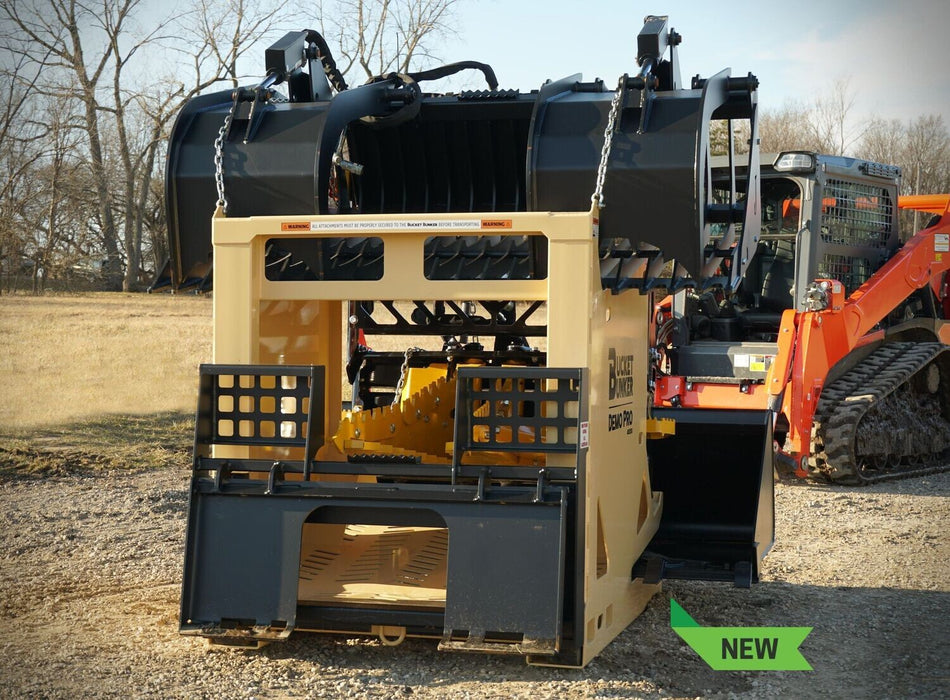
(811,343)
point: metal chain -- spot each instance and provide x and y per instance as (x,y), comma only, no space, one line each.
(403,373)
(598,196)
(219,155)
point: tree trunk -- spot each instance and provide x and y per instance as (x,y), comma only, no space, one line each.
(112,270)
(133,244)
(140,203)
(113,265)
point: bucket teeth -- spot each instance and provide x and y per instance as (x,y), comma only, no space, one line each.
(420,426)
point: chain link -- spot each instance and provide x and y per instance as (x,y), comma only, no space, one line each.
(219,155)
(598,196)
(403,373)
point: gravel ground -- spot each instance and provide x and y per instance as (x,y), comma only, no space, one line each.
(89,581)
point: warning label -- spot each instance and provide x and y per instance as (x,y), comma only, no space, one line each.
(942,242)
(754,363)
(399,225)
(496,223)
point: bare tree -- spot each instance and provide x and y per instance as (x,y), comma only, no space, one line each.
(884,141)
(46,203)
(18,159)
(222,30)
(18,143)
(383,36)
(217,33)
(48,228)
(60,29)
(831,120)
(927,159)
(922,150)
(88,55)
(786,129)
(719,137)
(826,126)
(155,224)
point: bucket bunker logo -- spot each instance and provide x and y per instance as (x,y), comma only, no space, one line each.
(619,391)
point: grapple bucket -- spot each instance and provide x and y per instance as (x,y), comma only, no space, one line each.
(716,476)
(386,148)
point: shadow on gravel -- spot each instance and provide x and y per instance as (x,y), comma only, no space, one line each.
(865,642)
(106,443)
(908,485)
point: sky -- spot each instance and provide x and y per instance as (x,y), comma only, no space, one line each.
(893,55)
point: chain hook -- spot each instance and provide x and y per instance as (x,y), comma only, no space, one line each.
(403,373)
(223,133)
(612,122)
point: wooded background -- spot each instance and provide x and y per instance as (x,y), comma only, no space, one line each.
(91,88)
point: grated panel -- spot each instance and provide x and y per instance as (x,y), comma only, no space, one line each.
(856,214)
(850,270)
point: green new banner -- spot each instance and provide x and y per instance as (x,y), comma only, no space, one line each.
(742,648)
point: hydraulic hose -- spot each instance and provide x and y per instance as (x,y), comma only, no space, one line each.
(326,58)
(458,67)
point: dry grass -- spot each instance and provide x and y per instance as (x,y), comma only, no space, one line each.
(68,358)
(99,380)
(110,442)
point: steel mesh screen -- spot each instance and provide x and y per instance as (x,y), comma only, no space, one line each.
(850,270)
(856,214)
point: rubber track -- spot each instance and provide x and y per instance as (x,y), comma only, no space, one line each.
(844,403)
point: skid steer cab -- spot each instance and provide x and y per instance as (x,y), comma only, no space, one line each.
(428,412)
(836,323)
